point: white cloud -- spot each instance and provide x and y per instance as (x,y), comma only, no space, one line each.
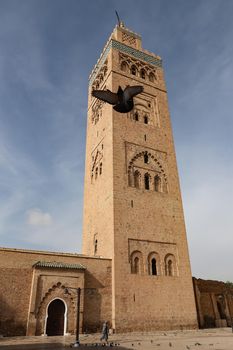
(36,217)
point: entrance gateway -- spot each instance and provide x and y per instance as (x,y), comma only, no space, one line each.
(55,321)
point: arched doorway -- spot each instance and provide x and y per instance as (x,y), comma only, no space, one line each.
(221,310)
(55,318)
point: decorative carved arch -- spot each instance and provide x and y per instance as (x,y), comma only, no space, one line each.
(152,77)
(57,291)
(134,69)
(143,73)
(124,66)
(150,71)
(162,174)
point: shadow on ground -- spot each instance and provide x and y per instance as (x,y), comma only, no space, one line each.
(58,346)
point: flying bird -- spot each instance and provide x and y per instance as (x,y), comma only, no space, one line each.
(122,100)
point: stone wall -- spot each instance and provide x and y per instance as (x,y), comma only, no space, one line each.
(26,291)
(214,301)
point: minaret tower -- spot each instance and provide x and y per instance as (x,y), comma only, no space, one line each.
(132,203)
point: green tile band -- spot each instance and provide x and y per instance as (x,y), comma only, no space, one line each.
(126,49)
(59,265)
(136,53)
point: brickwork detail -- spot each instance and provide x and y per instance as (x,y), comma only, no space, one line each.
(128,39)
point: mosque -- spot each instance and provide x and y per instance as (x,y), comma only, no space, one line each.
(134,270)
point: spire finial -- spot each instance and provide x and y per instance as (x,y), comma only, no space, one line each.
(120,23)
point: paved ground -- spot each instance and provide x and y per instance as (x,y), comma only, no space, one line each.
(212,339)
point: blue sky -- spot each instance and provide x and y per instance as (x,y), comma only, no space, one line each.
(47,50)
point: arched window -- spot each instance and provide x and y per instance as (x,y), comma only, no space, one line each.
(124,66)
(136,265)
(147,181)
(153,267)
(154,264)
(96,246)
(133,70)
(157,183)
(97,86)
(146,119)
(146,158)
(142,74)
(100,168)
(137,179)
(136,260)
(170,268)
(136,117)
(151,77)
(170,265)
(96,173)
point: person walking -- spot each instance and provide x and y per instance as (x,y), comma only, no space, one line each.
(105,331)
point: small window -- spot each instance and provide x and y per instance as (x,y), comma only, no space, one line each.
(170,268)
(96,246)
(100,168)
(170,265)
(151,77)
(136,117)
(143,74)
(145,119)
(123,66)
(153,267)
(136,265)
(135,262)
(146,158)
(96,173)
(133,70)
(147,181)
(157,183)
